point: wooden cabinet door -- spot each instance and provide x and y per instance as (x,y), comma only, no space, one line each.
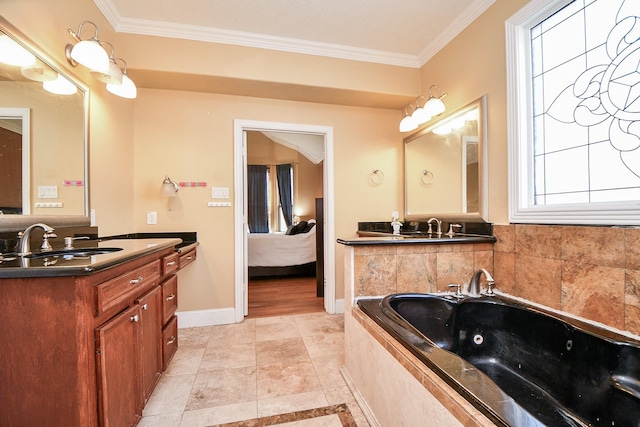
(118,365)
(150,339)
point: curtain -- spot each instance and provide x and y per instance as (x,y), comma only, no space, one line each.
(283,173)
(257,195)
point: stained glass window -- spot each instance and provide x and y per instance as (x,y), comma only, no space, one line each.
(581,102)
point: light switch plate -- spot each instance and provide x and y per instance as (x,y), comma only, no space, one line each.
(152,217)
(219,192)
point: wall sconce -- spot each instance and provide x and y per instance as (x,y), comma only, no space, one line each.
(169,188)
(102,66)
(431,107)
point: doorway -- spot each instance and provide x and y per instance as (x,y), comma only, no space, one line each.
(241,127)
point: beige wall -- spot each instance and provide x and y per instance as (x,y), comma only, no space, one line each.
(472,64)
(189,136)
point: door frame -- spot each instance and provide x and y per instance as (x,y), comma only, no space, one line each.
(240,127)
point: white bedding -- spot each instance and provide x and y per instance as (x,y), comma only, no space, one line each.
(281,250)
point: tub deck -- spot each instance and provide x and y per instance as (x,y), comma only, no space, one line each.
(518,365)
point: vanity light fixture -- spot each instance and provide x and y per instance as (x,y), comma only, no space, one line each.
(408,123)
(11,53)
(431,107)
(104,67)
(60,86)
(126,89)
(89,52)
(113,75)
(169,188)
(434,105)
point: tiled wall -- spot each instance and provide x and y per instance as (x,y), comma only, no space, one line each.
(387,269)
(591,272)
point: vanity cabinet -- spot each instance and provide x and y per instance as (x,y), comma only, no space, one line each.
(87,350)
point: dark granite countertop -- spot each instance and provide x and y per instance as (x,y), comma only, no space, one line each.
(379,238)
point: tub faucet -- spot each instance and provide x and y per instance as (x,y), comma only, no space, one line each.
(474,285)
(438,223)
(23,245)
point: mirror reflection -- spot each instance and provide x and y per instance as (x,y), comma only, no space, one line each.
(42,135)
(444,166)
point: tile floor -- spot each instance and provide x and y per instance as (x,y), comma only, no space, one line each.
(281,371)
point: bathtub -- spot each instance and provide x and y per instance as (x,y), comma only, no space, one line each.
(520,365)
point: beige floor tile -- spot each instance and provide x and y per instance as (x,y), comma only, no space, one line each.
(277,330)
(219,415)
(186,361)
(278,351)
(194,337)
(291,403)
(223,387)
(168,420)
(234,333)
(170,395)
(317,324)
(338,395)
(323,345)
(328,371)
(286,379)
(227,356)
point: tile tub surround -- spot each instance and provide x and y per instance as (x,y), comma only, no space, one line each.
(266,371)
(590,272)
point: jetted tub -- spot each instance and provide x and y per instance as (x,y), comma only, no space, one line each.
(520,365)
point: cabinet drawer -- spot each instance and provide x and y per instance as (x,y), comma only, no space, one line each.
(169,341)
(169,298)
(170,264)
(127,286)
(187,258)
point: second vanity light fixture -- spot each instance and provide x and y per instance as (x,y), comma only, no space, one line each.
(169,188)
(422,114)
(102,65)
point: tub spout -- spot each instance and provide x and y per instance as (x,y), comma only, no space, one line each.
(473,287)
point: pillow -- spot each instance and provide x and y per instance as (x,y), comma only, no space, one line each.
(298,228)
(309,227)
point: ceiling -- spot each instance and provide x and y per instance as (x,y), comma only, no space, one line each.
(405,33)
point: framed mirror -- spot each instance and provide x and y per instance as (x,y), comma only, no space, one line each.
(445,173)
(43,138)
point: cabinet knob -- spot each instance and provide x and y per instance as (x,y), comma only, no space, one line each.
(170,263)
(136,280)
(135,318)
(171,340)
(189,257)
(170,297)
(145,306)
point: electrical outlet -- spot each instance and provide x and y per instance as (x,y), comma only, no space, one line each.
(152,217)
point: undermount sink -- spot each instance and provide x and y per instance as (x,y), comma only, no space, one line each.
(73,253)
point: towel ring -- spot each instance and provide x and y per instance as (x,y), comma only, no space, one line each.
(426,178)
(376,177)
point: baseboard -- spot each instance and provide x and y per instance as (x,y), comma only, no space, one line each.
(340,306)
(366,411)
(211,317)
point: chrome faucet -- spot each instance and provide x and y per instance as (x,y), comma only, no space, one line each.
(473,287)
(23,245)
(438,222)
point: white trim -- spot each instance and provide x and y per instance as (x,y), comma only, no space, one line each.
(239,127)
(520,128)
(211,317)
(24,114)
(123,24)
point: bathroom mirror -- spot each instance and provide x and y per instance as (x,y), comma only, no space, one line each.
(46,175)
(445,166)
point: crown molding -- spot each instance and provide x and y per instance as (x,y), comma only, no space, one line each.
(284,44)
(463,20)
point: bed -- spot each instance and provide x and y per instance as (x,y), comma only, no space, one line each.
(282,254)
